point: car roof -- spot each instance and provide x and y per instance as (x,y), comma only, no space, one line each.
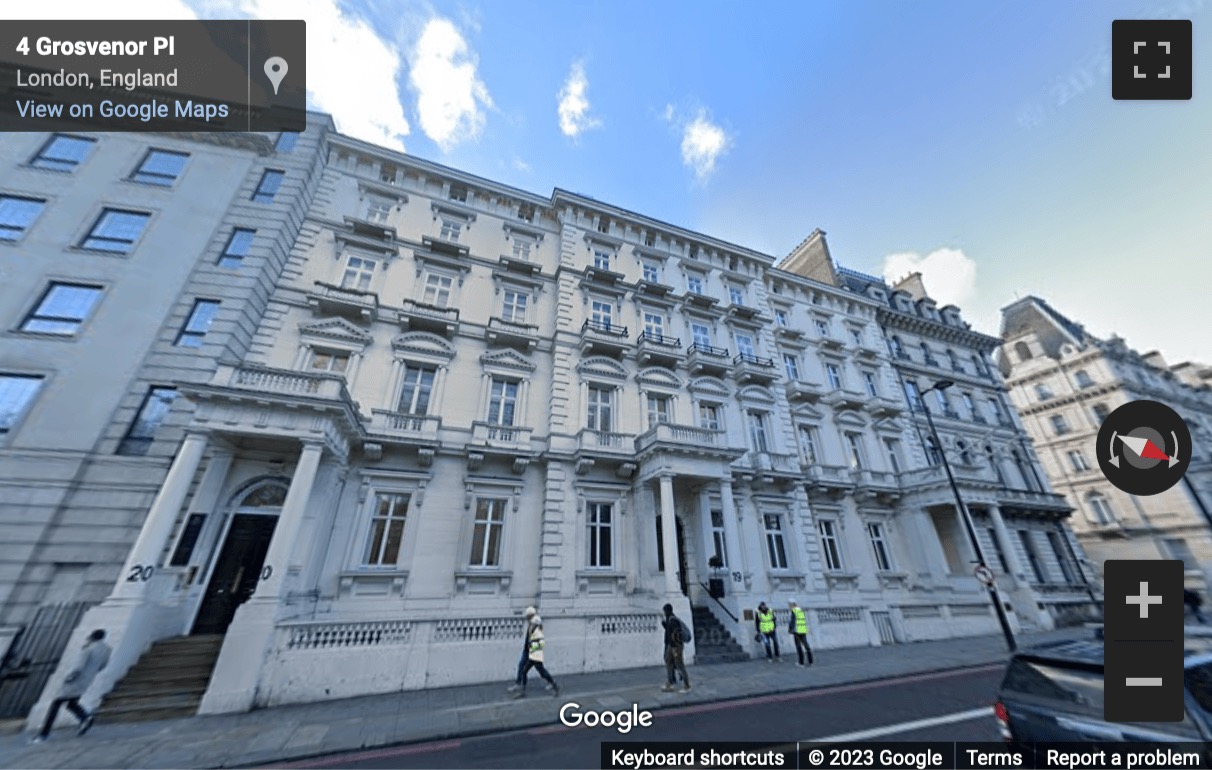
(1197,647)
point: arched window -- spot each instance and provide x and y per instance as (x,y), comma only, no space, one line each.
(1022,351)
(269,494)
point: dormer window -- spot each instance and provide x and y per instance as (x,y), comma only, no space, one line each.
(388,174)
(526,212)
(458,193)
(603,225)
(649,240)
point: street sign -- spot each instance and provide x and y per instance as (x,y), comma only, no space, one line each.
(984,574)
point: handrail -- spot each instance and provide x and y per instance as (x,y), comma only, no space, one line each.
(707,588)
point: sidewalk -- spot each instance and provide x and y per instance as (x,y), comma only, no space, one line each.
(293,732)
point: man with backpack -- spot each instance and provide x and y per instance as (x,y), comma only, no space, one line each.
(677,636)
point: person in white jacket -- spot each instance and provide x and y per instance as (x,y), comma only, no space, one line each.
(534,657)
(93,658)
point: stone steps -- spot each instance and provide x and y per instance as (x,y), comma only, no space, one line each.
(168,682)
(712,642)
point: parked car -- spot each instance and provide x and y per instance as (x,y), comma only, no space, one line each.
(1054,692)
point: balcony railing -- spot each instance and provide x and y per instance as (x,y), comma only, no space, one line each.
(704,349)
(418,314)
(602,440)
(828,475)
(666,432)
(281,381)
(343,301)
(418,427)
(604,328)
(775,462)
(502,331)
(659,340)
(500,436)
(865,477)
(752,360)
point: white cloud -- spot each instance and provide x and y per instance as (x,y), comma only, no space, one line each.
(703,142)
(949,274)
(521,165)
(451,98)
(359,91)
(574,103)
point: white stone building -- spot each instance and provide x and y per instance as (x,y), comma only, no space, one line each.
(1064,381)
(463,399)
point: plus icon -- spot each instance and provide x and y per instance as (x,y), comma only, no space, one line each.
(1144,600)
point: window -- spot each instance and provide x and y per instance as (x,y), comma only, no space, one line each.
(601,259)
(437,290)
(601,408)
(718,539)
(358,273)
(267,188)
(978,366)
(822,327)
(1100,412)
(458,193)
(943,404)
(17,392)
(1083,379)
(17,214)
(333,363)
(1027,474)
(417,390)
(997,550)
(513,308)
(654,325)
(709,416)
(116,231)
(872,385)
(970,405)
(603,225)
(286,141)
(63,152)
(856,336)
(600,539)
(160,167)
(652,273)
(780,317)
(1037,567)
(155,407)
(386,531)
(892,449)
(1061,549)
(897,348)
(913,395)
(239,243)
(964,455)
(736,296)
(809,444)
(791,366)
(1101,508)
(1042,391)
(995,464)
(879,545)
(744,345)
(951,359)
(378,208)
(1059,425)
(694,284)
(759,430)
(933,455)
(198,323)
(835,376)
(701,333)
(830,548)
(62,309)
(658,410)
(775,547)
(486,533)
(526,212)
(600,313)
(928,356)
(1078,460)
(1178,549)
(451,230)
(521,248)
(998,412)
(854,445)
(502,402)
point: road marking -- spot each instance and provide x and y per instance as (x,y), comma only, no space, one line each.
(904,727)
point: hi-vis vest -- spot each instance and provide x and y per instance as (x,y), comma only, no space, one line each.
(801,620)
(535,648)
(766,622)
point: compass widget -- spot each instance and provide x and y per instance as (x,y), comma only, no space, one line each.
(1144,447)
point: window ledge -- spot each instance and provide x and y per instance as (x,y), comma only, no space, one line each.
(482,581)
(372,581)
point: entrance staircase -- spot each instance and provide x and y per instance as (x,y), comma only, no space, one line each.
(168,682)
(712,642)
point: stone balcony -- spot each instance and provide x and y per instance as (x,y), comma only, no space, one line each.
(659,349)
(509,441)
(706,359)
(286,382)
(511,333)
(331,299)
(828,480)
(402,430)
(846,399)
(829,342)
(803,391)
(597,447)
(876,484)
(687,440)
(422,317)
(881,406)
(747,367)
(604,337)
(772,467)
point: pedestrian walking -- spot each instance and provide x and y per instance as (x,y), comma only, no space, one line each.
(92,659)
(517,679)
(766,633)
(1195,602)
(535,643)
(799,632)
(677,635)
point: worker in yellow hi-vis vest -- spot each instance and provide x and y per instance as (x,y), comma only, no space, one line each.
(766,633)
(799,631)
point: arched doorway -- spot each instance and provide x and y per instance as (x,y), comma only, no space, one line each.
(238,566)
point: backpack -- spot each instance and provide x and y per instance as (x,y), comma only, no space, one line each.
(684,632)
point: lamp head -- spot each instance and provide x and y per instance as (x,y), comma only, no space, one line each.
(942,385)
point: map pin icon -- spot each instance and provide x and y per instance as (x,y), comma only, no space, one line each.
(275,70)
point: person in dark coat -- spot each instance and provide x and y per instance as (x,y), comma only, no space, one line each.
(92,659)
(675,647)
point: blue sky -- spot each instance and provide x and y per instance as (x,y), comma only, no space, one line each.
(975,141)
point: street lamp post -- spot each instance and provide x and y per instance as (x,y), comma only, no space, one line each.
(994,596)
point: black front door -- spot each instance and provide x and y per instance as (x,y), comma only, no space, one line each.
(683,575)
(236,574)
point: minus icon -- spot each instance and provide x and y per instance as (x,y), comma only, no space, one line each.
(1143,681)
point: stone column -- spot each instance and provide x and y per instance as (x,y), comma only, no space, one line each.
(394,383)
(351,371)
(439,391)
(964,542)
(932,549)
(1013,565)
(669,537)
(145,555)
(732,535)
(290,521)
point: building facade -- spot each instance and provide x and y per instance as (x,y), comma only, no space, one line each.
(114,254)
(463,399)
(1064,381)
